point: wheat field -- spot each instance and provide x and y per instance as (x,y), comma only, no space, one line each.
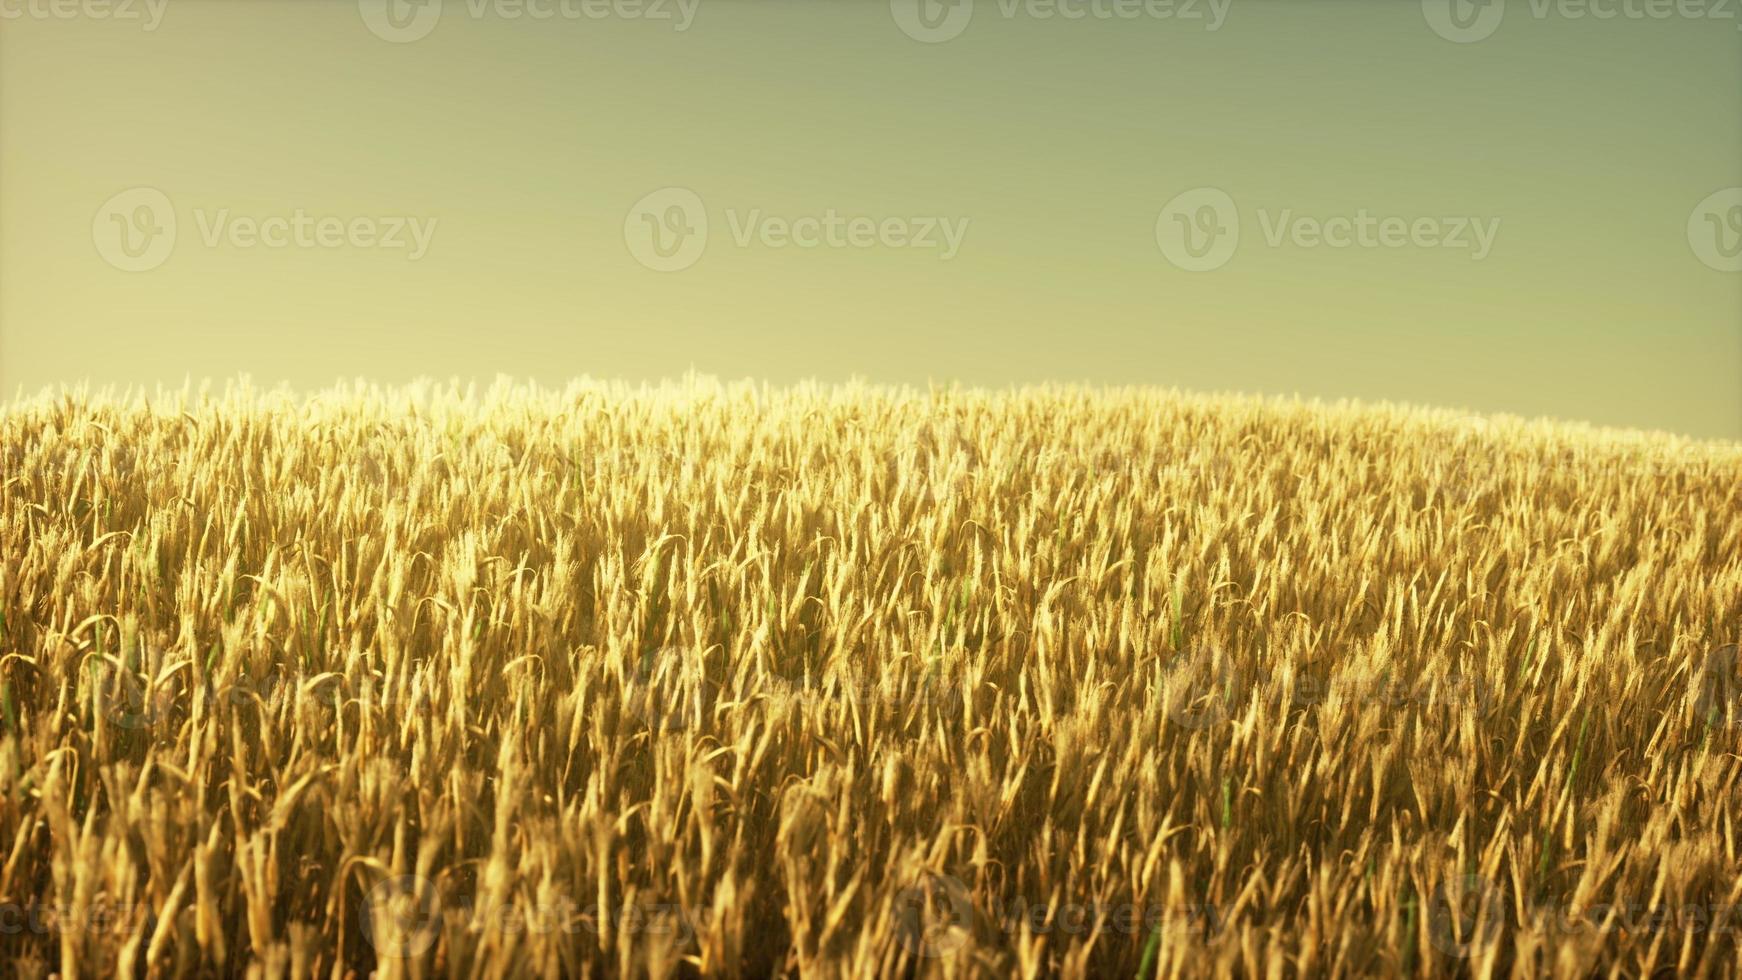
(829,681)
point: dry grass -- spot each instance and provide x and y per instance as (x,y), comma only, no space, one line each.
(852,681)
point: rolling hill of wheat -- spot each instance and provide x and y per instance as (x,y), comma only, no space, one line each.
(847,681)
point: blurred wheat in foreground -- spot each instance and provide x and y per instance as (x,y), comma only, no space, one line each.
(854,681)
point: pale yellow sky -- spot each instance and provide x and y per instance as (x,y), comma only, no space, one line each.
(1530,222)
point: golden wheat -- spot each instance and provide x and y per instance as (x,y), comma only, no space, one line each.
(848,681)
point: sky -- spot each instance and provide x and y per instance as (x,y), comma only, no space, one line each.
(1524,207)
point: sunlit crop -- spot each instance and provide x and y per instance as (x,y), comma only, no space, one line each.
(853,681)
